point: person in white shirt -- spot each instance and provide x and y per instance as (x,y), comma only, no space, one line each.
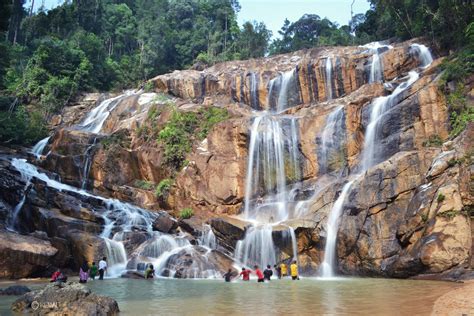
(102,268)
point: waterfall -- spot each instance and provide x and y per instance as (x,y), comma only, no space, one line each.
(95,119)
(376,66)
(87,164)
(423,54)
(376,71)
(379,107)
(283,97)
(273,162)
(128,215)
(266,165)
(293,145)
(116,256)
(37,149)
(332,227)
(254,91)
(279,91)
(329,138)
(257,247)
(328,69)
(208,238)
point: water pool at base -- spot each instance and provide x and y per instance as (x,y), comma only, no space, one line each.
(308,296)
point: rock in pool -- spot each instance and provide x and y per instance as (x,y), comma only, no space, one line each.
(15,290)
(65,299)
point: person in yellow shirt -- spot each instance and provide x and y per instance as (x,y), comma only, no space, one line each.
(294,271)
(284,270)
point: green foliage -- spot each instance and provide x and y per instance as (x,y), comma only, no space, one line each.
(424,217)
(175,137)
(440,198)
(22,127)
(163,188)
(119,138)
(186,213)
(145,185)
(443,21)
(181,129)
(451,214)
(433,141)
(309,31)
(148,87)
(456,71)
(210,117)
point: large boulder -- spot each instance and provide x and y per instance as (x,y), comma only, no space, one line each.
(24,256)
(65,299)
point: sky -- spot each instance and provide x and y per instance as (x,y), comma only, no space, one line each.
(274,12)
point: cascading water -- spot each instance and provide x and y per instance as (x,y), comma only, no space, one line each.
(87,164)
(376,66)
(273,163)
(423,54)
(94,121)
(38,149)
(254,91)
(332,227)
(379,107)
(279,91)
(330,142)
(328,71)
(208,238)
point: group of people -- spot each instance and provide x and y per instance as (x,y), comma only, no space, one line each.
(85,272)
(281,271)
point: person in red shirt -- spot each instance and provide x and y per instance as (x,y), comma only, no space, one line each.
(259,273)
(245,274)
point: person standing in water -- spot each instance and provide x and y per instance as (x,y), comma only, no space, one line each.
(93,271)
(245,274)
(84,273)
(278,270)
(102,268)
(228,276)
(150,272)
(294,271)
(267,273)
(284,270)
(258,272)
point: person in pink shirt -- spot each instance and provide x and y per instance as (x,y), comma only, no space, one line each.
(259,273)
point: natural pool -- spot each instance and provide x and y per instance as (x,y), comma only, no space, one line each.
(308,296)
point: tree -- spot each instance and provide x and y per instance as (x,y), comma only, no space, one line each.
(252,41)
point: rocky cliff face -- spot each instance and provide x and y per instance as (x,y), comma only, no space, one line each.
(406,213)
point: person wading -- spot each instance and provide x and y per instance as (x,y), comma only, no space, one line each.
(228,276)
(245,274)
(267,273)
(102,268)
(294,271)
(258,272)
(284,270)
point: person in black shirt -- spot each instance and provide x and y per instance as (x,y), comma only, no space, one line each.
(268,273)
(228,276)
